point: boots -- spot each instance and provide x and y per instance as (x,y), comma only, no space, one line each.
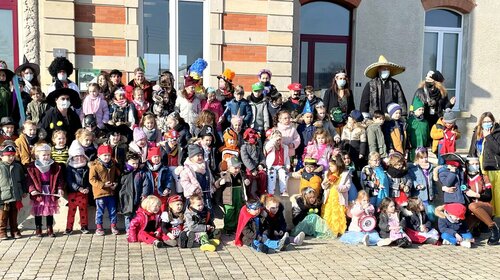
(50,232)
(495,235)
(38,231)
(3,224)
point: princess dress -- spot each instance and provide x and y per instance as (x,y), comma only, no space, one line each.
(332,211)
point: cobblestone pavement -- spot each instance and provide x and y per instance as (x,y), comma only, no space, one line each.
(96,257)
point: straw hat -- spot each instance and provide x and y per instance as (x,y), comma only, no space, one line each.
(372,70)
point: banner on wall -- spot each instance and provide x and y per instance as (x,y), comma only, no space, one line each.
(86,76)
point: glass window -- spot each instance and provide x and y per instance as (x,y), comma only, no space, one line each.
(304,55)
(7,38)
(328,59)
(323,18)
(156,37)
(443,18)
(442,48)
(190,34)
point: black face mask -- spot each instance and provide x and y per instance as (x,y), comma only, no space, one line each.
(429,85)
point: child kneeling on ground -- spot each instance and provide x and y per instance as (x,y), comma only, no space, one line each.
(146,225)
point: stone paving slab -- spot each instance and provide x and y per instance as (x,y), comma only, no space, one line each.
(111,257)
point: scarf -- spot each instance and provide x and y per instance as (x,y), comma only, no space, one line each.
(108,165)
(197,167)
(128,168)
(43,166)
(141,106)
(396,173)
(150,133)
(76,165)
(256,99)
(31,140)
(91,104)
(120,103)
(154,167)
(190,98)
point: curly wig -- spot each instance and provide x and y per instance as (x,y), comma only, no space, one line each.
(60,63)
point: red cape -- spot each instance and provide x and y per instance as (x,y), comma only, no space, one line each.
(242,222)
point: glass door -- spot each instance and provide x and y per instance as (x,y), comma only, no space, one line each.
(8,33)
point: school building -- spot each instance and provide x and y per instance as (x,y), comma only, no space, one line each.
(299,40)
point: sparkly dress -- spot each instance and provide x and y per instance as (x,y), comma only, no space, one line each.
(46,205)
(332,211)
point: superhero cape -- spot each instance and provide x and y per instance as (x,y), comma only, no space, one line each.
(242,222)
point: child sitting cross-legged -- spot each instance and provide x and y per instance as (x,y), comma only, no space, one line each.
(452,225)
(305,208)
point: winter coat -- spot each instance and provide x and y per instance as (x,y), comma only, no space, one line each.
(189,182)
(274,223)
(417,176)
(54,120)
(418,133)
(260,116)
(313,151)
(377,94)
(376,139)
(399,182)
(123,115)
(331,100)
(227,187)
(437,133)
(441,103)
(101,114)
(34,182)
(289,135)
(182,140)
(252,156)
(244,109)
(12,182)
(133,186)
(189,111)
(197,221)
(383,224)
(139,223)
(450,179)
(23,152)
(445,226)
(77,178)
(414,221)
(300,210)
(354,142)
(163,180)
(270,149)
(251,231)
(36,110)
(216,108)
(98,175)
(395,135)
(491,151)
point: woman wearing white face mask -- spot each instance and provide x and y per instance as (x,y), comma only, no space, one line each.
(382,89)
(62,116)
(339,95)
(29,72)
(60,69)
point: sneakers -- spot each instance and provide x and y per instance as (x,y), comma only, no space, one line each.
(99,231)
(466,243)
(67,232)
(299,239)
(384,242)
(446,242)
(207,247)
(285,193)
(404,243)
(114,230)
(190,239)
(263,248)
(365,240)
(85,230)
(214,242)
(159,244)
(283,241)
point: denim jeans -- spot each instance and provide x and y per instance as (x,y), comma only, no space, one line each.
(103,203)
(453,240)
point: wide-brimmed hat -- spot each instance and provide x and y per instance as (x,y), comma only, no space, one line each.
(27,64)
(8,72)
(454,157)
(74,97)
(7,121)
(372,70)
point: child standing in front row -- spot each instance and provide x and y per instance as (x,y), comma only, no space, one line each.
(45,183)
(355,234)
(278,163)
(77,178)
(336,184)
(103,176)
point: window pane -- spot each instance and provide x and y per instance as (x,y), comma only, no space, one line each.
(450,48)
(304,55)
(443,18)
(324,18)
(156,34)
(7,38)
(190,35)
(328,59)
(430,52)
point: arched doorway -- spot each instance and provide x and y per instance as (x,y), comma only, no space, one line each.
(325,42)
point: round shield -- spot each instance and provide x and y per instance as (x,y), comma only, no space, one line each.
(367,223)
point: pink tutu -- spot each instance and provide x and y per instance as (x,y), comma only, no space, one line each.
(45,205)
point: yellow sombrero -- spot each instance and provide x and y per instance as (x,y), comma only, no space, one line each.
(372,70)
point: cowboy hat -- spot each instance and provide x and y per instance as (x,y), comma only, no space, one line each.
(74,97)
(27,64)
(372,70)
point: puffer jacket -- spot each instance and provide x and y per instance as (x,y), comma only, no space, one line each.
(188,179)
(260,116)
(12,182)
(139,223)
(289,135)
(450,179)
(417,176)
(252,156)
(437,133)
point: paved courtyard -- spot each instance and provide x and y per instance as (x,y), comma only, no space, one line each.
(95,257)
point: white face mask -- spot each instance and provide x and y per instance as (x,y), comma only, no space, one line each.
(341,83)
(65,104)
(385,74)
(28,77)
(62,77)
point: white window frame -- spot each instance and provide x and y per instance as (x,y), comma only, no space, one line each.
(439,58)
(174,35)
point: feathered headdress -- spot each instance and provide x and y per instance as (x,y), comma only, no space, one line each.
(197,68)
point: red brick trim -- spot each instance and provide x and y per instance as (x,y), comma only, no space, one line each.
(100,14)
(244,53)
(350,4)
(246,81)
(105,47)
(244,22)
(462,6)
